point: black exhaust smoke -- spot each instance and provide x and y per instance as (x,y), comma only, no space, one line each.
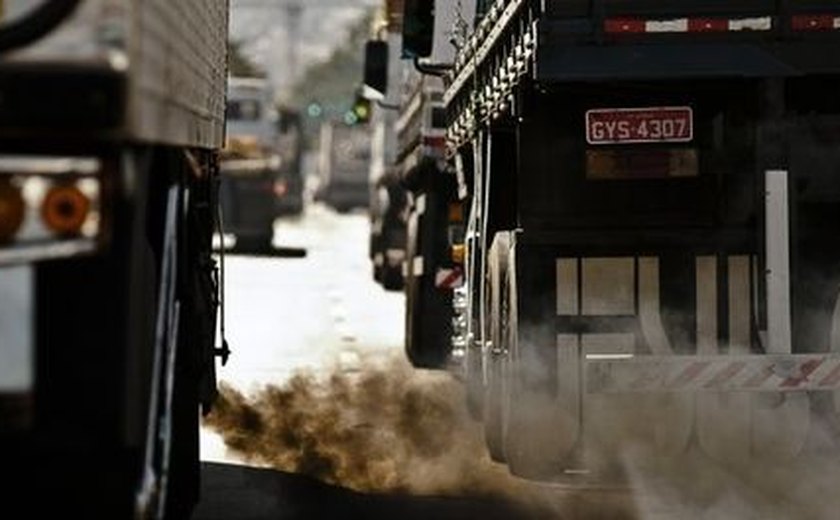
(388,428)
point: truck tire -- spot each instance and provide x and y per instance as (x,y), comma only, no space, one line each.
(496,358)
(392,278)
(474,384)
(530,443)
(535,444)
(428,329)
(428,325)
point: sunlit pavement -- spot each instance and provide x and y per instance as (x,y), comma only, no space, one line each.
(314,313)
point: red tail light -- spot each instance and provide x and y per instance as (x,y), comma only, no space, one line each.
(624,25)
(815,22)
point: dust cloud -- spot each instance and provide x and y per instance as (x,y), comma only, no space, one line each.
(386,428)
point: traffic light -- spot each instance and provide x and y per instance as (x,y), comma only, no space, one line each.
(418,28)
(361,110)
(314,110)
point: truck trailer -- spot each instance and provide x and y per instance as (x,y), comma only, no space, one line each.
(343,166)
(111,120)
(649,247)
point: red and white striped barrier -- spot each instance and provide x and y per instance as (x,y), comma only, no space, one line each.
(751,373)
(449,278)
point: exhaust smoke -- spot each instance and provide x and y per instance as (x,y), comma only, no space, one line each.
(386,428)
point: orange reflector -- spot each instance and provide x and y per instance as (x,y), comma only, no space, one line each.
(458,253)
(12,210)
(456,212)
(65,209)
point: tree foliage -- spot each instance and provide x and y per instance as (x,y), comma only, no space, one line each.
(332,84)
(240,65)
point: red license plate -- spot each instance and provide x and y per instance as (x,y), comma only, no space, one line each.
(639,125)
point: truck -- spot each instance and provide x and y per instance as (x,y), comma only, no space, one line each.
(290,188)
(110,130)
(343,166)
(648,251)
(256,183)
(424,199)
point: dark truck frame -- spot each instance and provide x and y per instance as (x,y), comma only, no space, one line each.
(713,247)
(120,322)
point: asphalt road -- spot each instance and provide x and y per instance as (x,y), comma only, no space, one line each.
(232,491)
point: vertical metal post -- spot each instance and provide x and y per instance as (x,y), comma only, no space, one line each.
(484,240)
(293,19)
(777,243)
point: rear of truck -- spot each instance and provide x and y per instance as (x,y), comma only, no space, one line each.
(344,166)
(251,163)
(290,188)
(110,126)
(650,248)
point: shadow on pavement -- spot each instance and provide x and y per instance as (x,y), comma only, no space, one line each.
(232,492)
(267,252)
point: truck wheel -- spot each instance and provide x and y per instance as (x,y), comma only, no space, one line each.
(493,424)
(537,438)
(474,384)
(428,325)
(531,440)
(392,278)
(429,347)
(428,313)
(499,319)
